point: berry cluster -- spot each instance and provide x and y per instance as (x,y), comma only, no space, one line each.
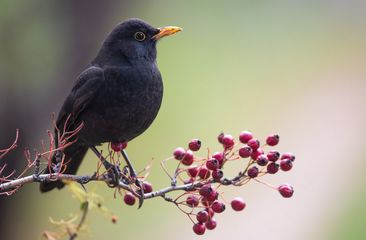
(202,177)
(207,174)
(130,199)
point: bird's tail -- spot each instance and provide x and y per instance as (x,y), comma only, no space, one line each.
(74,154)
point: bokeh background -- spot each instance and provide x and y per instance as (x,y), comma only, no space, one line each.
(296,68)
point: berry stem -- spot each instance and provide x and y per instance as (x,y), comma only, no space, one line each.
(266,184)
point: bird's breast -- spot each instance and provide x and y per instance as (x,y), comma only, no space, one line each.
(127,102)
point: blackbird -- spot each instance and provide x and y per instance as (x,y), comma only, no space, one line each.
(117,96)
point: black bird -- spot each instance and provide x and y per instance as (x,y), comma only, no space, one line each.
(117,96)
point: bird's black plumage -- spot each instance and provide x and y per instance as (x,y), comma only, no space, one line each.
(117,96)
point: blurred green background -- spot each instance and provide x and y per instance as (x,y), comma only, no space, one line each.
(296,68)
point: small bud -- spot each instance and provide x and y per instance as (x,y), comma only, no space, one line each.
(114,219)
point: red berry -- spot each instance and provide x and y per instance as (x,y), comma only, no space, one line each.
(245,136)
(118,146)
(194,145)
(188,158)
(272,140)
(273,155)
(254,144)
(206,190)
(179,153)
(203,172)
(212,164)
(286,190)
(199,228)
(256,153)
(219,156)
(217,174)
(286,165)
(253,172)
(272,168)
(219,138)
(129,199)
(193,171)
(288,156)
(192,201)
(245,151)
(218,207)
(147,187)
(238,204)
(211,224)
(228,141)
(262,160)
(213,196)
(202,216)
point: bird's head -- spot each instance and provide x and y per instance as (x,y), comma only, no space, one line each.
(132,40)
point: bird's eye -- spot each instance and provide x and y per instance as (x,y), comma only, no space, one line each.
(140,36)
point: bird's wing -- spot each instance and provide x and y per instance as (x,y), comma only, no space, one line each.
(83,92)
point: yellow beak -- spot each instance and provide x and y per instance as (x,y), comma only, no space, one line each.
(166,31)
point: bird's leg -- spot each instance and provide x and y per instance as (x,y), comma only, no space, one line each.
(115,172)
(134,176)
(58,157)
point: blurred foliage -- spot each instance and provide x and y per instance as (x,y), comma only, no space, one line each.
(296,67)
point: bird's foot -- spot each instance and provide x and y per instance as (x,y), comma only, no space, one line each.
(134,178)
(114,172)
(140,192)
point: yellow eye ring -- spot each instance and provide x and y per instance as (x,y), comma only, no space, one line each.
(140,36)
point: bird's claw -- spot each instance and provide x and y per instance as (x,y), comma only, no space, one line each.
(133,175)
(140,192)
(114,173)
